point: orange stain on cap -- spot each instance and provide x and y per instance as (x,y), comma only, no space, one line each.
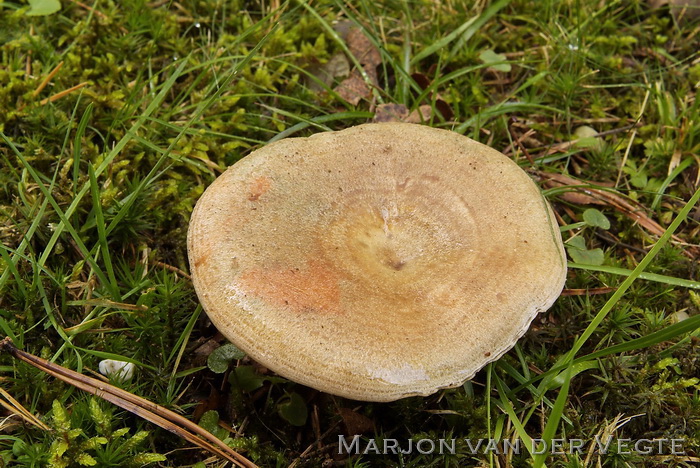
(313,289)
(258,187)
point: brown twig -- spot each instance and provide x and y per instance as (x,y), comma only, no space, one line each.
(63,93)
(101,302)
(174,269)
(592,193)
(564,146)
(16,407)
(517,140)
(48,78)
(587,292)
(146,409)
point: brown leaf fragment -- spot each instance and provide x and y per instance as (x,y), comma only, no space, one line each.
(206,348)
(578,198)
(343,28)
(400,113)
(390,113)
(362,48)
(367,55)
(599,196)
(336,67)
(444,108)
(355,423)
(353,89)
(421,80)
(440,104)
(682,10)
(422,114)
(675,161)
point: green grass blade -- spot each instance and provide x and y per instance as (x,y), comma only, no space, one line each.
(12,268)
(462,34)
(321,120)
(667,181)
(550,428)
(130,134)
(113,286)
(78,145)
(62,216)
(507,406)
(206,103)
(643,275)
(690,325)
(181,345)
(633,276)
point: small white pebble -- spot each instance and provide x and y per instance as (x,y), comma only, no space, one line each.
(117,369)
(679,316)
(584,132)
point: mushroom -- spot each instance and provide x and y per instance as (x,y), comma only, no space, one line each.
(378,262)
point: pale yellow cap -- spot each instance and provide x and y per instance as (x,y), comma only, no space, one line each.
(377,262)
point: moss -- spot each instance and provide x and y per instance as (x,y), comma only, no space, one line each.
(573,63)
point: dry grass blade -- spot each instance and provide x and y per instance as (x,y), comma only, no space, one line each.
(177,270)
(148,410)
(48,78)
(63,93)
(15,407)
(112,304)
(567,145)
(587,292)
(629,208)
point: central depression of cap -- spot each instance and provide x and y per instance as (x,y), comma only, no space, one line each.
(377,262)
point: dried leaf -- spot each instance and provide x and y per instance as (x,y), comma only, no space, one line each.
(626,206)
(675,161)
(353,89)
(399,113)
(362,48)
(206,348)
(421,80)
(343,28)
(422,114)
(441,105)
(444,108)
(390,113)
(682,10)
(336,67)
(355,423)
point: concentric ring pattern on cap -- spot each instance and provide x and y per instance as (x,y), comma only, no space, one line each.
(377,262)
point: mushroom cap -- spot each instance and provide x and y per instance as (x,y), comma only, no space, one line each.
(377,262)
